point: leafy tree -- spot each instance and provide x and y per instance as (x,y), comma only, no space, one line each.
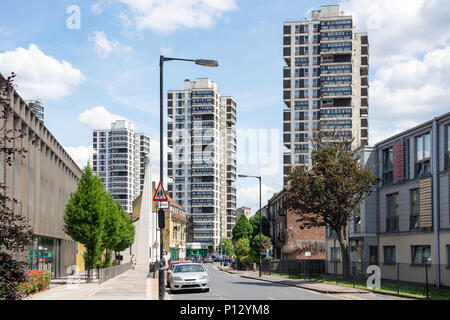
(242,228)
(85,216)
(254,221)
(329,193)
(126,230)
(112,234)
(15,232)
(242,247)
(266,243)
(227,246)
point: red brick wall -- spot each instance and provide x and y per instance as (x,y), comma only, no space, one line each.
(398,160)
(305,234)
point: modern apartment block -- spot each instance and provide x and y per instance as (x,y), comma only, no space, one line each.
(144,153)
(118,159)
(325,82)
(37,107)
(247,211)
(405,223)
(202,162)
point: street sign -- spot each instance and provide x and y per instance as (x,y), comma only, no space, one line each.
(155,245)
(164,205)
(160,194)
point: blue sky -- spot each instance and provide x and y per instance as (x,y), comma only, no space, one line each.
(109,67)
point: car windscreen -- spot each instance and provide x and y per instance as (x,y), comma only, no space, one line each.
(188,268)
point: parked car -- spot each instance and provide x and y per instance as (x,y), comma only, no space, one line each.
(171,266)
(208,259)
(189,276)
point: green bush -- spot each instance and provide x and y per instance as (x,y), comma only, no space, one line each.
(37,280)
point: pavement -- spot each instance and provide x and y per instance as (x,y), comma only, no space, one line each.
(323,288)
(130,285)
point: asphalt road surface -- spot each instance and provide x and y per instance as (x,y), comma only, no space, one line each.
(225,286)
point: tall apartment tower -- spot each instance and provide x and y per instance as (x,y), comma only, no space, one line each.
(202,163)
(325,82)
(118,160)
(37,107)
(144,152)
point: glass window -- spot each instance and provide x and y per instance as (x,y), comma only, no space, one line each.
(448,255)
(423,153)
(392,212)
(389,254)
(420,254)
(388,164)
(306,39)
(306,28)
(415,221)
(448,148)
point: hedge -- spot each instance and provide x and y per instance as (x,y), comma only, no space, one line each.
(37,281)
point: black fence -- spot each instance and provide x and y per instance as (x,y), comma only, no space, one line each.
(417,280)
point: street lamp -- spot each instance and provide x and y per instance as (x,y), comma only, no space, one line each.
(162,59)
(260,218)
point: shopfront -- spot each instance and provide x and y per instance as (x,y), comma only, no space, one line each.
(44,255)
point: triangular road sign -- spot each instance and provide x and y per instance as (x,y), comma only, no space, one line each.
(160,194)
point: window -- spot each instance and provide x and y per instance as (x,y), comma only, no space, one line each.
(389,255)
(315,71)
(388,164)
(423,151)
(306,28)
(306,71)
(448,255)
(420,254)
(306,93)
(392,212)
(335,254)
(315,27)
(306,39)
(415,221)
(447,157)
(306,50)
(373,254)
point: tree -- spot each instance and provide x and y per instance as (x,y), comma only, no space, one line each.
(266,243)
(126,230)
(112,234)
(254,221)
(329,194)
(242,228)
(227,247)
(85,216)
(242,247)
(15,232)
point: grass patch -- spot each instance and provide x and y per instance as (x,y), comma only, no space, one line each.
(386,286)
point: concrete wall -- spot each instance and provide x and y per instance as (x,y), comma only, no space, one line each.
(42,181)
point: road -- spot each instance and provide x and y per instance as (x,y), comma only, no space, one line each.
(225,286)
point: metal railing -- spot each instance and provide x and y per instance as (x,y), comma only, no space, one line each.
(111,272)
(417,280)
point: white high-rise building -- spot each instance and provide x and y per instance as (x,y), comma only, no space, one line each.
(202,160)
(325,82)
(119,158)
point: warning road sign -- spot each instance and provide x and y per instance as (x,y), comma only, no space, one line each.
(160,194)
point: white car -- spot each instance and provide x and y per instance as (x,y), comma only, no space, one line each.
(189,276)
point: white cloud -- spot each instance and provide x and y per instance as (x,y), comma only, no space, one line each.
(166,51)
(40,75)
(98,118)
(81,154)
(249,196)
(170,15)
(409,60)
(105,47)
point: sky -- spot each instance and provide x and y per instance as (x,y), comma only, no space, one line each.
(92,62)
